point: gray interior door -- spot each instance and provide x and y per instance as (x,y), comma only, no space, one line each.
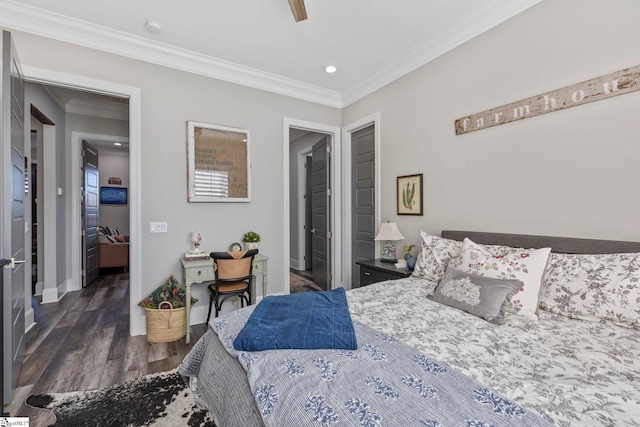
(362,198)
(12,188)
(308,217)
(90,213)
(320,207)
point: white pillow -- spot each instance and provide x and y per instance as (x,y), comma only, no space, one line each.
(435,253)
(504,262)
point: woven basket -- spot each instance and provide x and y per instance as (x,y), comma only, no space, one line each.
(166,325)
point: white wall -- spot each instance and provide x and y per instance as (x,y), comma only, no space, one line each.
(169,99)
(569,173)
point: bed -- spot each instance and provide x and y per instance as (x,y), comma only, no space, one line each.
(568,364)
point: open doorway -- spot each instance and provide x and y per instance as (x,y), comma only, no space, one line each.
(331,233)
(68,174)
(307,184)
(78,110)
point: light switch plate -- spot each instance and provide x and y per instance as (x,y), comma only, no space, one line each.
(158,227)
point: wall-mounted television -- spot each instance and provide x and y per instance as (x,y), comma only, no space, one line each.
(113,196)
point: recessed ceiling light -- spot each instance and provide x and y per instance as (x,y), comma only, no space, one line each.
(330,69)
(117,143)
(153,27)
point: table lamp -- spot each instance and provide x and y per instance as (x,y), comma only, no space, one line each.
(389,232)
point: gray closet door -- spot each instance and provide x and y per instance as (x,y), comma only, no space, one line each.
(320,207)
(362,198)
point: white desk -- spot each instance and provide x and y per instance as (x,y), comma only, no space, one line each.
(203,271)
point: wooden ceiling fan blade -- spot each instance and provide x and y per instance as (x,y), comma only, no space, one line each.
(298,9)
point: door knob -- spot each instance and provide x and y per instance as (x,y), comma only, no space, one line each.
(13,263)
(313,230)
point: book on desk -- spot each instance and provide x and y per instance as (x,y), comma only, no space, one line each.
(200,256)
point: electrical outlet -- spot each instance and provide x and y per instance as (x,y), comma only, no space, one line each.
(158,227)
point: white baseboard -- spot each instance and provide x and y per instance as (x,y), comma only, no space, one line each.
(63,288)
(73,287)
(29,319)
(49,295)
(39,288)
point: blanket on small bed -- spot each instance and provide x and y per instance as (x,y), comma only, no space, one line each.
(382,382)
(310,320)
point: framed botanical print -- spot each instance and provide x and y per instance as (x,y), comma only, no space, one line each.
(410,195)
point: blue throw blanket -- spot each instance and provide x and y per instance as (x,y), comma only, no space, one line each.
(309,320)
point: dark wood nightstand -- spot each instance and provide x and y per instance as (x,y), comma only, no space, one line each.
(373,270)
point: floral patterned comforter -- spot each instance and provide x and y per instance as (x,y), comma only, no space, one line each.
(571,372)
(383,382)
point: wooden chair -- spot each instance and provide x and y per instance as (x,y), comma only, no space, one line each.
(233,277)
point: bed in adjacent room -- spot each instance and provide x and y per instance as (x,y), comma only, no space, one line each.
(484,333)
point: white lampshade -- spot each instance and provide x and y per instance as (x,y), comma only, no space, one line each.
(389,231)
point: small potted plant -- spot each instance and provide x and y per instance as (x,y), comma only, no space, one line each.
(411,260)
(251,239)
(407,251)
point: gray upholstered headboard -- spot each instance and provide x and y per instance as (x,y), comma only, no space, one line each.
(567,245)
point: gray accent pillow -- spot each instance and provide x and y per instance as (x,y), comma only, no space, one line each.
(482,296)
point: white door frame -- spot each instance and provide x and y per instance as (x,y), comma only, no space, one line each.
(76,212)
(336,241)
(347,131)
(72,174)
(301,190)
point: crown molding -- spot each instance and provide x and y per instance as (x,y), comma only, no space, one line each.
(20,17)
(466,28)
(98,109)
(57,95)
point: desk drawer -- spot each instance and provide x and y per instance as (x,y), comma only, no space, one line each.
(200,274)
(258,267)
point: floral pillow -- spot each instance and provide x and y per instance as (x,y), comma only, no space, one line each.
(481,296)
(434,256)
(504,262)
(592,287)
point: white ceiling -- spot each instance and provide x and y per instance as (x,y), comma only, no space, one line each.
(258,43)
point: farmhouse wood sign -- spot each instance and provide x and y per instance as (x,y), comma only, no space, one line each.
(603,87)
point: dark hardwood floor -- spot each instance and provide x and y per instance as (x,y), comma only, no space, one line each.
(301,281)
(82,343)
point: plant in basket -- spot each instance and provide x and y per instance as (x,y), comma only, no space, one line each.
(169,291)
(165,312)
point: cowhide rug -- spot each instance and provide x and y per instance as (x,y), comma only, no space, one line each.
(161,399)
